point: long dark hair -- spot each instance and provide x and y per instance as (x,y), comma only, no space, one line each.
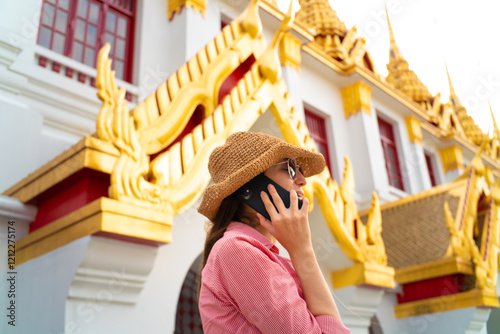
(231,209)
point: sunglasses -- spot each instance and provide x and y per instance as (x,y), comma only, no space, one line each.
(292,168)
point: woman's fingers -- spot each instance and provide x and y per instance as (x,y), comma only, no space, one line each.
(269,205)
(294,200)
(276,198)
(305,204)
(265,223)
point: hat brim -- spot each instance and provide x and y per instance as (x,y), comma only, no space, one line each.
(312,163)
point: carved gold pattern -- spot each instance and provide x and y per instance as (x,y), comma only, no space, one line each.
(356,98)
(414,129)
(451,158)
(175,6)
(331,34)
(470,130)
(463,300)
(115,124)
(464,227)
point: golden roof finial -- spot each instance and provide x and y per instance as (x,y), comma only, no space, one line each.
(331,34)
(391,33)
(393,49)
(453,97)
(452,91)
(402,78)
(319,15)
(470,128)
(495,126)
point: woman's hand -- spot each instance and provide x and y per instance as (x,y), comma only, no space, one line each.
(290,226)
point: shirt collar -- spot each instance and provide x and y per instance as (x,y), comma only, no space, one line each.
(241,228)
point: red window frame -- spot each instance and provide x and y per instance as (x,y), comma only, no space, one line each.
(317,130)
(430,169)
(75,32)
(391,157)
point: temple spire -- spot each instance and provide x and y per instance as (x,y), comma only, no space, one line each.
(402,78)
(331,34)
(319,15)
(470,128)
(495,126)
(393,49)
(453,97)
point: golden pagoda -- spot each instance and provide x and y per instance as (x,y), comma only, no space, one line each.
(402,78)
(331,34)
(470,128)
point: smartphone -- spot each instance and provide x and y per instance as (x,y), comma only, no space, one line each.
(250,194)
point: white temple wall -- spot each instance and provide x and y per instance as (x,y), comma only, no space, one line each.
(321,95)
(157,304)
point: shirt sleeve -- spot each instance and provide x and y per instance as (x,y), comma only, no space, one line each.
(265,293)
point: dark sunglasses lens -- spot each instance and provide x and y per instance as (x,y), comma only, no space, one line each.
(291,168)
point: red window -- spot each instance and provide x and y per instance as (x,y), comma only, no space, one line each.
(428,161)
(79,28)
(390,154)
(317,130)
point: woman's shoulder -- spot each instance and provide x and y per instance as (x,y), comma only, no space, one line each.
(242,244)
(236,242)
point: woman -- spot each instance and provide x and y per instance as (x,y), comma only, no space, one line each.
(246,286)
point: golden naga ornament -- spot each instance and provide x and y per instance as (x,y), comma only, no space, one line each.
(115,124)
(477,223)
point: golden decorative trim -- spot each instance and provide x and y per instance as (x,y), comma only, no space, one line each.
(162,116)
(414,129)
(485,258)
(175,6)
(89,152)
(356,98)
(447,187)
(364,273)
(290,51)
(451,158)
(101,215)
(472,298)
(446,266)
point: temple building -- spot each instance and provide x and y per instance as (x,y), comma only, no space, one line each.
(109,110)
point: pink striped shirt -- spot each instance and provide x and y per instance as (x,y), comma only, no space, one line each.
(247,287)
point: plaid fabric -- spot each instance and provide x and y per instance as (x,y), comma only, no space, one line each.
(187,319)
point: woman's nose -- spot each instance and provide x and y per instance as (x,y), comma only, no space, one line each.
(300,179)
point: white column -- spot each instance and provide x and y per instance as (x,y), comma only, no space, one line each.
(106,286)
(367,158)
(14,224)
(477,324)
(358,305)
(416,167)
(292,80)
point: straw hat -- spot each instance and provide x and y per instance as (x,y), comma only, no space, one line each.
(245,155)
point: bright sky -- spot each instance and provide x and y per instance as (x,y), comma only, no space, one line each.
(464,34)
